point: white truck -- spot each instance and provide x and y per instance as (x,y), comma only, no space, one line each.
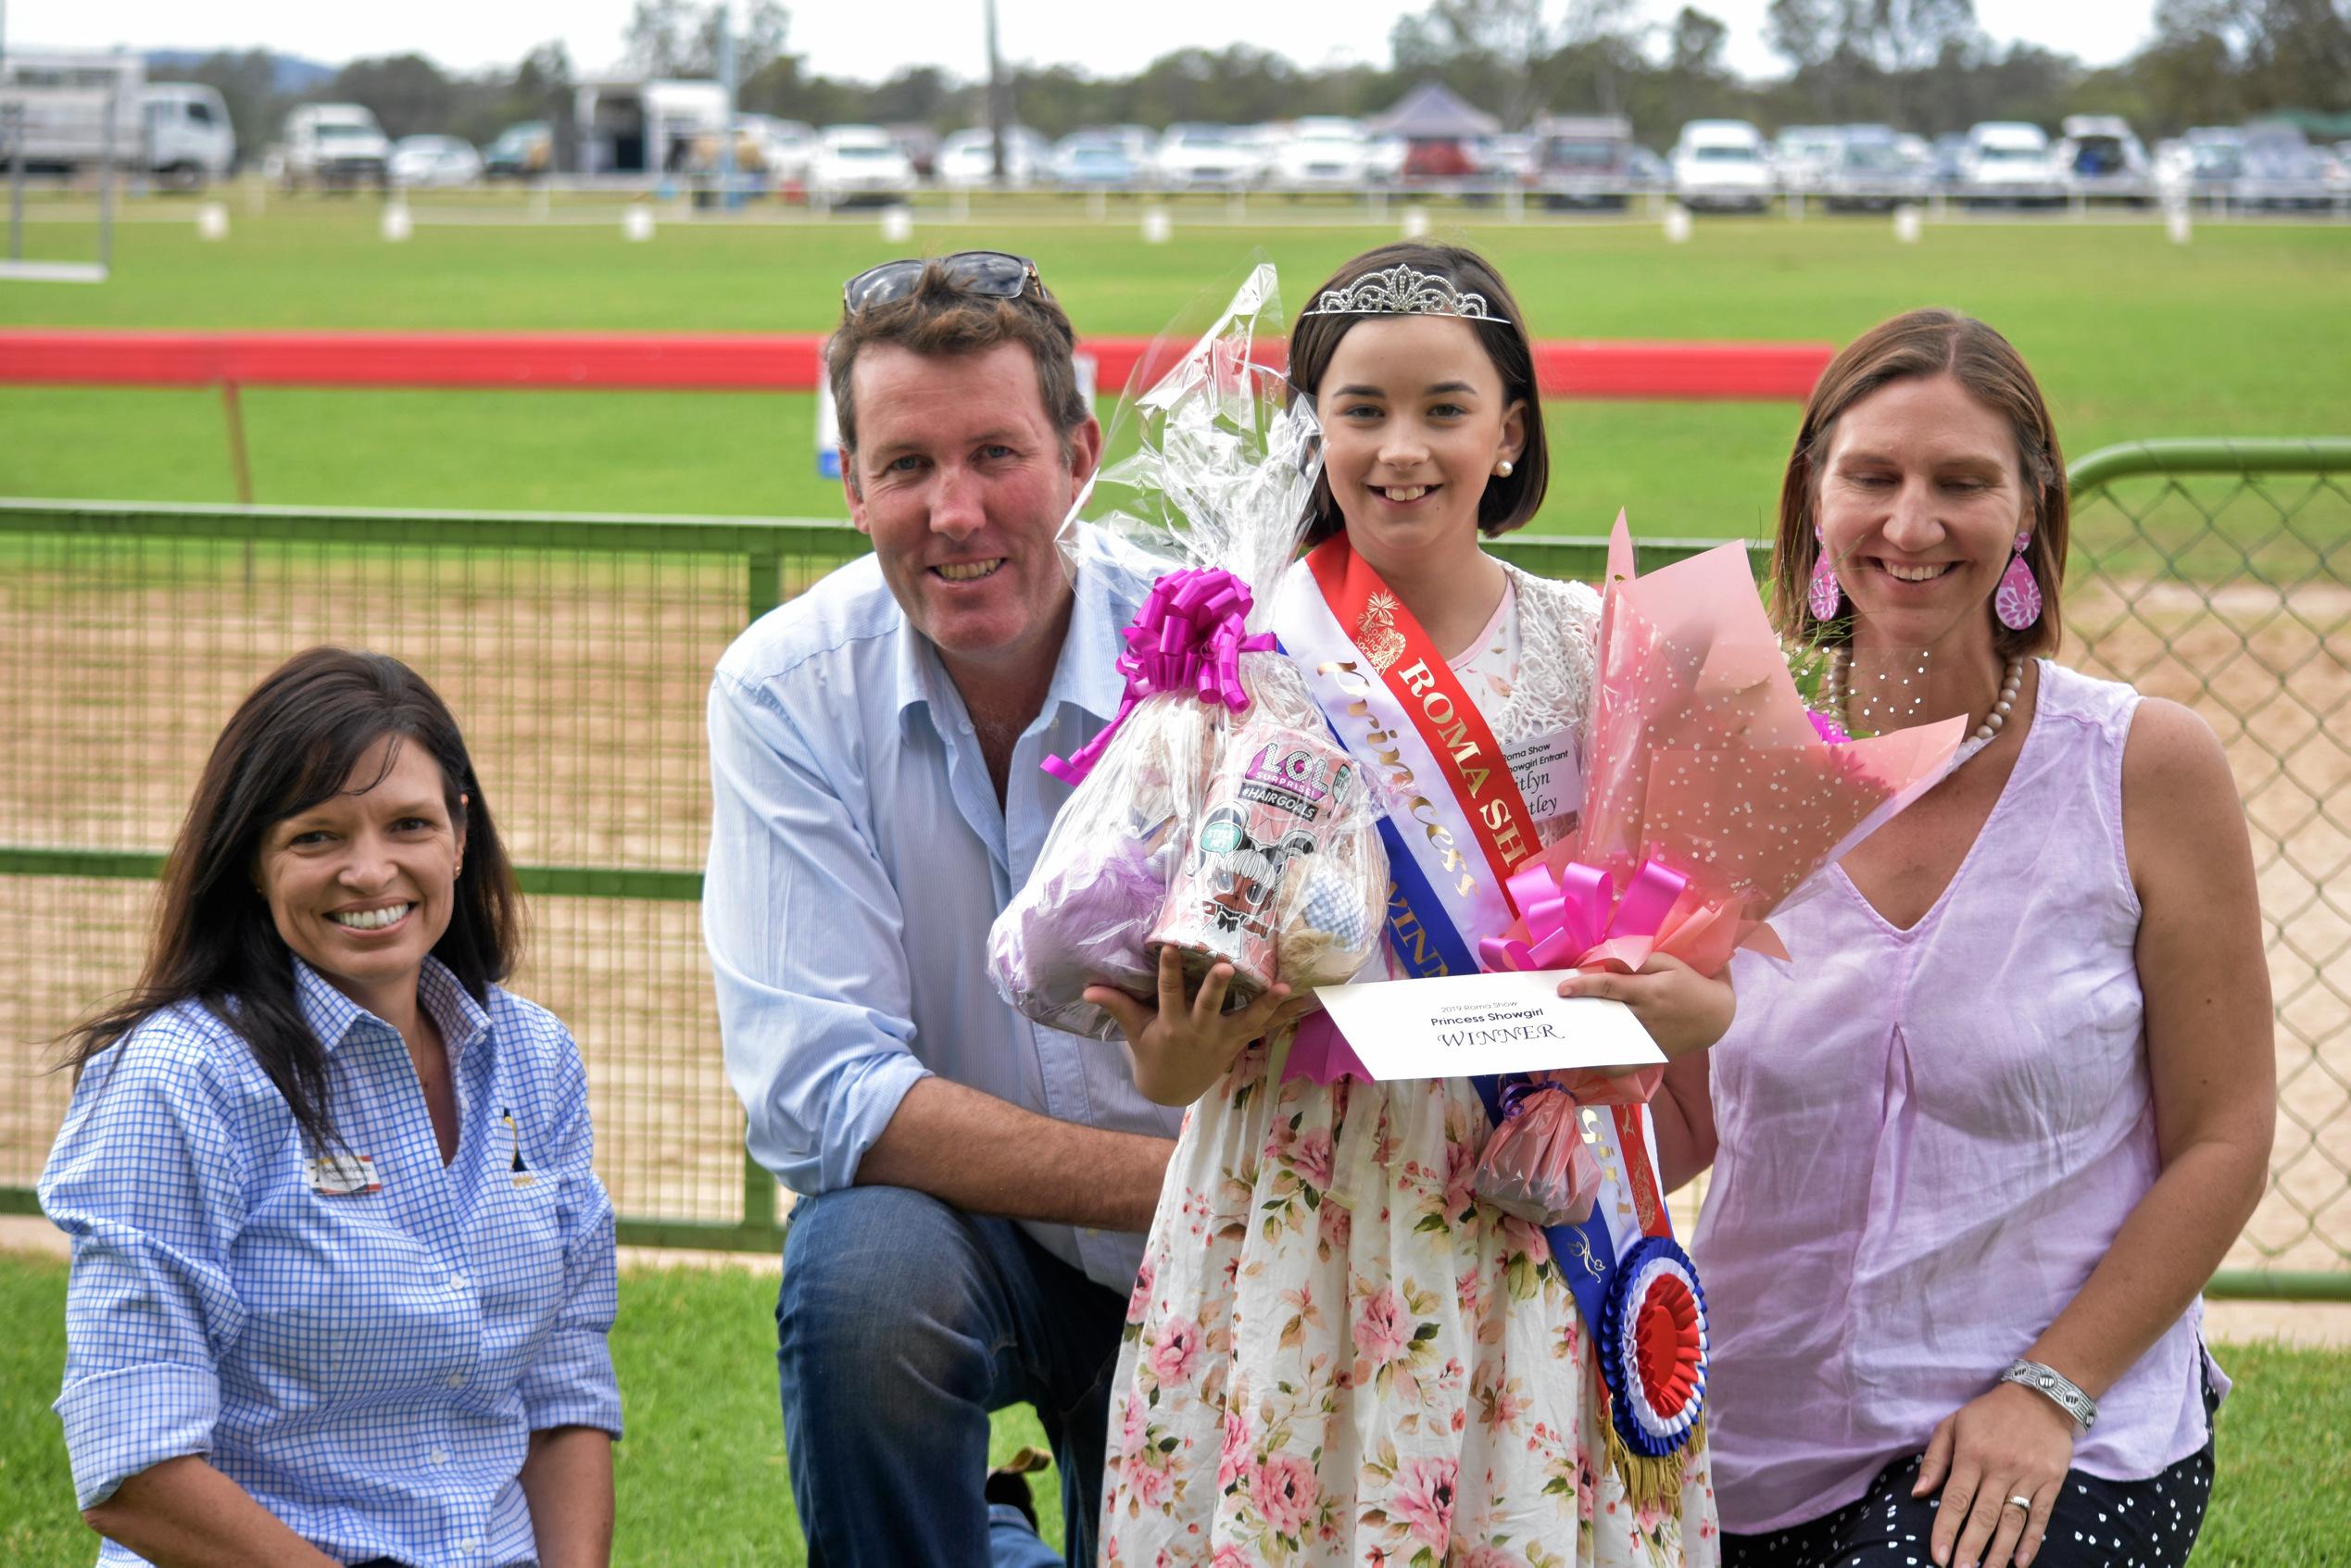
(333,146)
(63,111)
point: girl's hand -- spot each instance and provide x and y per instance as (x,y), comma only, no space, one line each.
(1184,1046)
(1682,1009)
(2009,1443)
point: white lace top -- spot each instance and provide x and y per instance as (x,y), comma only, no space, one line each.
(1530,674)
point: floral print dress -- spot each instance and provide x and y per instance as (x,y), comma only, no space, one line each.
(1334,1354)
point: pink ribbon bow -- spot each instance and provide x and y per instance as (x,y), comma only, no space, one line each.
(1571,919)
(1188,637)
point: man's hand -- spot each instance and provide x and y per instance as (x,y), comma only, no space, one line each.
(1183,1046)
(1682,1009)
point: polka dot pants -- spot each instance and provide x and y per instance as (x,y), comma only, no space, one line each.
(2096,1524)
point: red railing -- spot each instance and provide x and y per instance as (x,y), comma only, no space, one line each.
(761,362)
(750,362)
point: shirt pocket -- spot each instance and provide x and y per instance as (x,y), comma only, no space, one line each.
(521,1228)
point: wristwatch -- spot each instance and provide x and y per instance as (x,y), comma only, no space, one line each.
(2058,1388)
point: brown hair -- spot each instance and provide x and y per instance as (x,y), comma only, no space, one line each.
(938,316)
(1918,345)
(291,744)
(1507,503)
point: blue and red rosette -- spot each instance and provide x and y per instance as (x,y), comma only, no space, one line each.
(1653,1348)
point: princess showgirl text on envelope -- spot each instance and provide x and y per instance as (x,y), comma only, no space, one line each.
(1463,1025)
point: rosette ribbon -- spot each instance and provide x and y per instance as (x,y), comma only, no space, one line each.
(1188,637)
(1655,1348)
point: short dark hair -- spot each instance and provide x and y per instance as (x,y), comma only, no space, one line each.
(1920,345)
(1507,503)
(290,745)
(938,317)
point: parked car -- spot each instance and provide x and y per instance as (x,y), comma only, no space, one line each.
(2100,159)
(433,162)
(1871,173)
(1094,159)
(2205,164)
(2009,160)
(1510,157)
(1321,154)
(860,164)
(1803,155)
(2281,169)
(521,151)
(1720,164)
(333,146)
(967,159)
(1440,159)
(1192,157)
(1584,161)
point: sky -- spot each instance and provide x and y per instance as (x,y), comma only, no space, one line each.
(841,40)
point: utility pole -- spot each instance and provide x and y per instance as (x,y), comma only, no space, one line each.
(727,197)
(996,115)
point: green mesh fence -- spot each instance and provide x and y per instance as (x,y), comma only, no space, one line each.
(2219,574)
(576,651)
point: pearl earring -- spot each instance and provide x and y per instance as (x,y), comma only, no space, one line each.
(1502,468)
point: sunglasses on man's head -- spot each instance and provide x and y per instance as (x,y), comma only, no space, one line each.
(997,273)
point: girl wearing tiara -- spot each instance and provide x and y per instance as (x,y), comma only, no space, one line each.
(1337,1353)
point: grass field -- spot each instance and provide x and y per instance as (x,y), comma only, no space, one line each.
(2243,333)
(702,1483)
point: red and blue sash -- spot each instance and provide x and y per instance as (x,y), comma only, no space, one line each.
(1456,828)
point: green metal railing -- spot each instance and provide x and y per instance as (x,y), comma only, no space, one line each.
(576,649)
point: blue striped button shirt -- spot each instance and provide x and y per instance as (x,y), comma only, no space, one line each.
(368,1366)
(859,855)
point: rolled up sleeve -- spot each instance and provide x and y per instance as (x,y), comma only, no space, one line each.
(802,924)
(570,1381)
(146,1178)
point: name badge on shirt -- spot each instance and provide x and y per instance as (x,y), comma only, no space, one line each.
(342,1175)
(1548,775)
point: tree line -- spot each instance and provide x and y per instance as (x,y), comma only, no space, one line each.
(1920,65)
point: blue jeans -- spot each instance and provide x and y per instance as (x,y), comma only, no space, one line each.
(900,1323)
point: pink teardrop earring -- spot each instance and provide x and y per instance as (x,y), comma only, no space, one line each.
(1823,595)
(2017,600)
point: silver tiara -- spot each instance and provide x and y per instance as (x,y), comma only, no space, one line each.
(1400,290)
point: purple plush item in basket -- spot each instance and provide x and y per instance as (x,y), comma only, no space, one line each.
(1085,924)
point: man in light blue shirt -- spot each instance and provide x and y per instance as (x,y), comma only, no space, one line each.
(972,1185)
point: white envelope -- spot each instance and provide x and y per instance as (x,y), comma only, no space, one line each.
(1463,1025)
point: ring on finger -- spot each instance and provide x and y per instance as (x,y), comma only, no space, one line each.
(2025,1503)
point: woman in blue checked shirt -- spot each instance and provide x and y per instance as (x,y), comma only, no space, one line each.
(342,1274)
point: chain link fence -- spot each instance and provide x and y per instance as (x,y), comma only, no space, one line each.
(2219,574)
(576,652)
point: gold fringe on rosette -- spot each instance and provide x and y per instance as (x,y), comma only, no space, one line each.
(1653,1483)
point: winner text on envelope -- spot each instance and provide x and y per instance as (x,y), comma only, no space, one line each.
(1462,1025)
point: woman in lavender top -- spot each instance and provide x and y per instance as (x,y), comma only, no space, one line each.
(1976,1150)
